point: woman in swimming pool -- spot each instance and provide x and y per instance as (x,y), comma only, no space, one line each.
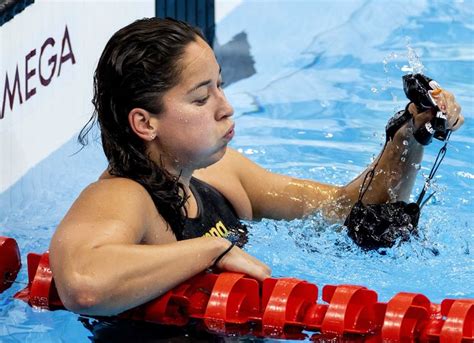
(174,192)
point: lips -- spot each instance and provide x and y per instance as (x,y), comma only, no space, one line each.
(230,133)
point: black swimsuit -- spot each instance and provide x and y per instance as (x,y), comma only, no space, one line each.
(216,216)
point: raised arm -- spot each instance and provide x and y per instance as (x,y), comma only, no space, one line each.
(282,197)
(113,252)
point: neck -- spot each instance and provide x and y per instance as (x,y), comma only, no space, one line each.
(183,172)
(174,167)
(184,175)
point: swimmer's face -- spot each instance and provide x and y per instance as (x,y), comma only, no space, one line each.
(195,125)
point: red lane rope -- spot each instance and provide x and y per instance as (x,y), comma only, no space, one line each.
(10,262)
(280,307)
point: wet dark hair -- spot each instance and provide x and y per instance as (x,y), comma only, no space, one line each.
(138,65)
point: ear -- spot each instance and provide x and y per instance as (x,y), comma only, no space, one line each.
(143,124)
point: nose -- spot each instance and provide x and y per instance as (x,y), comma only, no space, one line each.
(224,109)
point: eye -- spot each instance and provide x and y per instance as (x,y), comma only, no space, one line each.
(201,102)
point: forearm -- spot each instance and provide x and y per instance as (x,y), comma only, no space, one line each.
(395,173)
(281,197)
(115,277)
(393,181)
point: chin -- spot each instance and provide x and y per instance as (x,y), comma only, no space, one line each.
(212,158)
(220,154)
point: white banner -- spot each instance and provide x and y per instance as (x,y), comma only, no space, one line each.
(48,54)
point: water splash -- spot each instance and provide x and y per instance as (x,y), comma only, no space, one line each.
(387,60)
(414,61)
(390,66)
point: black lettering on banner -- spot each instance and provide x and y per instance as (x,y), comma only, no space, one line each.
(11,91)
(70,55)
(11,94)
(53,59)
(28,75)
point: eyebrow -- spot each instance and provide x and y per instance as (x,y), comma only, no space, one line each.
(203,83)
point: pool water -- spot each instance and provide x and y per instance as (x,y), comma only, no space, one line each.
(327,76)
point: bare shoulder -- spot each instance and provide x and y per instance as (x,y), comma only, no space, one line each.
(113,194)
(112,207)
(118,186)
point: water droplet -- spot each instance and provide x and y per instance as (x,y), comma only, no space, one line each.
(405,142)
(374,90)
(249,151)
(392,194)
(414,60)
(403,159)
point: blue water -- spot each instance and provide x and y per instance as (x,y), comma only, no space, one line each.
(328,77)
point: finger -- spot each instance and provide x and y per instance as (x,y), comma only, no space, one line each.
(239,261)
(259,271)
(455,120)
(453,111)
(255,260)
(458,123)
(439,96)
